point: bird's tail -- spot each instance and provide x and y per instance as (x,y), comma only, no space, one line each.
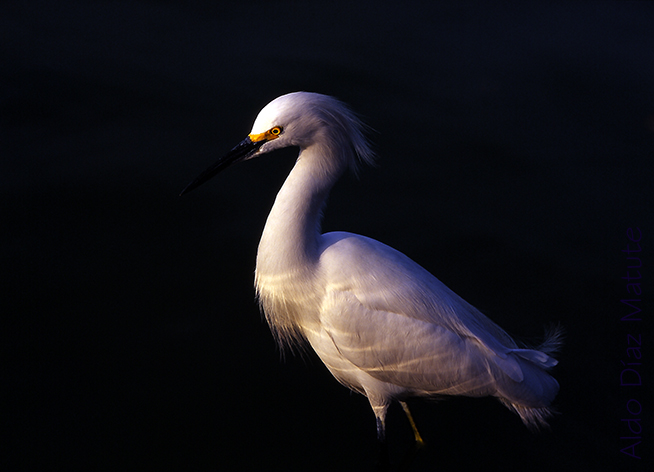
(532,397)
(553,340)
(534,418)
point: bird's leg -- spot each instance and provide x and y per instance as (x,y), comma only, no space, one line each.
(380,409)
(383,462)
(381,429)
(419,441)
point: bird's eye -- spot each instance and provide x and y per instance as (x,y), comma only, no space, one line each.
(276,131)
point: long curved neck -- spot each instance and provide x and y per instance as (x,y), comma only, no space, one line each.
(290,238)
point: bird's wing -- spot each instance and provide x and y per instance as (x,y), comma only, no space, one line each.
(383,293)
(404,351)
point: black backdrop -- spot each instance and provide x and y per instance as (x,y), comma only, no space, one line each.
(515,150)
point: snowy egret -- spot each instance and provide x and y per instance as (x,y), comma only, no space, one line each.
(383,325)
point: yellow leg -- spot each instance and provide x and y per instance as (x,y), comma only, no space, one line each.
(419,441)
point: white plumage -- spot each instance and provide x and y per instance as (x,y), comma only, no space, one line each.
(383,325)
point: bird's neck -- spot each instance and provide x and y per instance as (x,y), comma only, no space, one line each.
(289,248)
(290,239)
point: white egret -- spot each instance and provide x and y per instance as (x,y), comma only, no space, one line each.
(383,325)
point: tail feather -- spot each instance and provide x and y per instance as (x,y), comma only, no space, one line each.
(534,419)
(553,340)
(542,355)
(531,398)
(537,357)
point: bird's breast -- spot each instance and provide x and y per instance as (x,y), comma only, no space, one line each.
(290,302)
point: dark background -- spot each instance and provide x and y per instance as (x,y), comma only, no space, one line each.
(515,149)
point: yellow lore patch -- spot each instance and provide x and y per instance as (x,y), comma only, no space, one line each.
(272,133)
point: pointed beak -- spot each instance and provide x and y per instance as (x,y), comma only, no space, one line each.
(242,151)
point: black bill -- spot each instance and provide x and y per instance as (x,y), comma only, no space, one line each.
(241,152)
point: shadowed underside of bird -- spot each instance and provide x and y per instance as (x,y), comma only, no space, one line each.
(383,325)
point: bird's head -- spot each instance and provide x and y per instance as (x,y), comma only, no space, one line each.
(301,119)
